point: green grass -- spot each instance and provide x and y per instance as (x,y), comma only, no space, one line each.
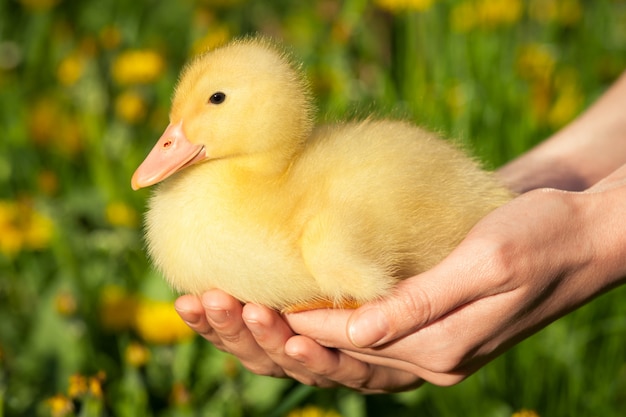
(67,152)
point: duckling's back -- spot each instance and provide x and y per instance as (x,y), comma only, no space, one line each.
(382,201)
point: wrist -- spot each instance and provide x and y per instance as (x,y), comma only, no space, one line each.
(539,170)
(606,227)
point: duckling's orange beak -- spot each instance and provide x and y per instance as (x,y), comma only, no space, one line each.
(172,152)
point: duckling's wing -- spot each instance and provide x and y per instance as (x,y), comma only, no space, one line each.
(343,270)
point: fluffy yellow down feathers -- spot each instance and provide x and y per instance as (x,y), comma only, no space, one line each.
(264,206)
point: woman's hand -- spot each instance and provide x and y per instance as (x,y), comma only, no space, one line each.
(264,343)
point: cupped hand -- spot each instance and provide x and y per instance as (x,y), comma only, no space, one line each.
(265,344)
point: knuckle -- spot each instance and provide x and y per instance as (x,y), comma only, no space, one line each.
(499,262)
(230,338)
(325,371)
(359,383)
(307,379)
(264,369)
(416,307)
(357,376)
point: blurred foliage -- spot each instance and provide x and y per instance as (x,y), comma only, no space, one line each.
(87,327)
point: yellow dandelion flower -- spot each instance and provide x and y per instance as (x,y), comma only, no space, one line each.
(110,37)
(215,37)
(525,413)
(38,232)
(535,62)
(341,31)
(95,384)
(39,5)
(568,103)
(541,94)
(11,242)
(49,125)
(117,308)
(60,405)
(570,12)
(21,227)
(157,322)
(542,10)
(138,66)
(71,69)
(69,138)
(11,237)
(130,107)
(81,385)
(564,12)
(313,411)
(494,13)
(43,116)
(121,214)
(88,46)
(404,5)
(65,303)
(486,14)
(78,386)
(180,395)
(136,355)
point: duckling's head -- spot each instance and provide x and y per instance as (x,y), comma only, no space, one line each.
(245,99)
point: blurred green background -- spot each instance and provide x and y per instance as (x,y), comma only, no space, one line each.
(87,327)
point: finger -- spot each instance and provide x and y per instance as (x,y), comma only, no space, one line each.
(272,333)
(413,378)
(224,315)
(327,327)
(421,300)
(443,347)
(190,309)
(346,370)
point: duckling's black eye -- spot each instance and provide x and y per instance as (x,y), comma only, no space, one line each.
(217,98)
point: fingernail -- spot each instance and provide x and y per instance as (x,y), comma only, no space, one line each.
(254,326)
(181,306)
(369,328)
(218,316)
(296,356)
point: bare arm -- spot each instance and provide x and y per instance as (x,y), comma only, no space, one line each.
(580,154)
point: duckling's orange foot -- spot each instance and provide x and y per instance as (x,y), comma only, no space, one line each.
(316,304)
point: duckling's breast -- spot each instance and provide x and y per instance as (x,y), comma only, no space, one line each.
(202,235)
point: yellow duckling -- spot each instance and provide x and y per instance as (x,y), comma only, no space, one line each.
(276,212)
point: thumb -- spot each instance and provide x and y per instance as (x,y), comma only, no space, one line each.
(417,302)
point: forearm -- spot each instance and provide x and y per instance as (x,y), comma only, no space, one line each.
(580,154)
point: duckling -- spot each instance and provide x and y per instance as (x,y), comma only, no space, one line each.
(263,205)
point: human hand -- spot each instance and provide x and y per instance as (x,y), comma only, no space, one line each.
(264,343)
